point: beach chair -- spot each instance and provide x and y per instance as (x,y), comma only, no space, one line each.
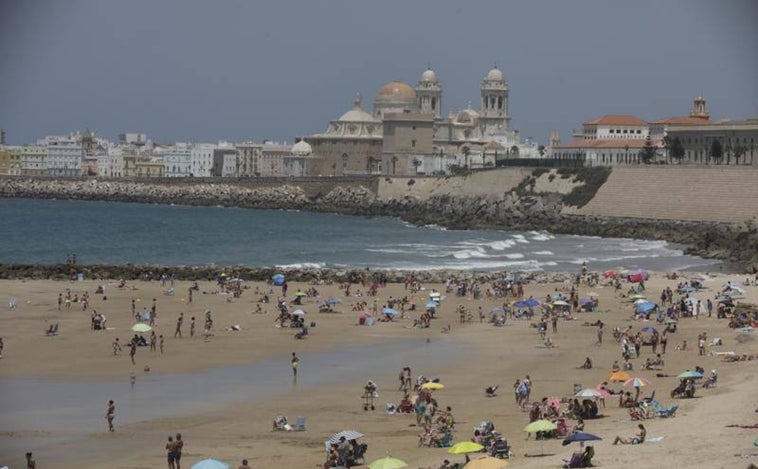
(169,292)
(575,461)
(500,449)
(668,412)
(300,424)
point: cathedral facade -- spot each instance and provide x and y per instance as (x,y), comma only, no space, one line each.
(406,132)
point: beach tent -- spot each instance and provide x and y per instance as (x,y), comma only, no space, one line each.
(278,279)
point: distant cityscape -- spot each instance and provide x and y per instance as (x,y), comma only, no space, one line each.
(406,134)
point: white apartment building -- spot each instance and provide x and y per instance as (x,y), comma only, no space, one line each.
(177,161)
(201,159)
(64,156)
(111,164)
(33,160)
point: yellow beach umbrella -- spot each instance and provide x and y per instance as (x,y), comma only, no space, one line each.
(463,447)
(486,462)
(433,386)
(387,463)
(540,426)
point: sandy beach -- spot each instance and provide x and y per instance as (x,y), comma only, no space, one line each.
(251,370)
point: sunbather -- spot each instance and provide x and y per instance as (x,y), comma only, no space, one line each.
(637,439)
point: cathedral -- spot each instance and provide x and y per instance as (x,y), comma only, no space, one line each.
(406,133)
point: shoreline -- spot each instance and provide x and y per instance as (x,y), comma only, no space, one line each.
(736,244)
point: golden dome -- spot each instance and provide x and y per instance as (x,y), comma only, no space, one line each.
(396,90)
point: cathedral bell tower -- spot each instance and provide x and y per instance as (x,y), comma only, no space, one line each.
(494,112)
(429,94)
(698,109)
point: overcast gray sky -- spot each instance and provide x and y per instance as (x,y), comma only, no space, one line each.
(188,70)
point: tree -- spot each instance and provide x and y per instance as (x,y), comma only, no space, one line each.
(676,151)
(647,154)
(716,152)
(739,151)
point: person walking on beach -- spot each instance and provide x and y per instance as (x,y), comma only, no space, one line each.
(295,363)
(244,465)
(116,346)
(30,463)
(153,342)
(664,340)
(132,351)
(178,445)
(60,300)
(110,414)
(600,333)
(162,340)
(192,327)
(170,446)
(178,331)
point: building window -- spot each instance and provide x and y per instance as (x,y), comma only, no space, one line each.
(413,144)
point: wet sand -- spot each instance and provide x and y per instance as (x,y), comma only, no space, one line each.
(253,376)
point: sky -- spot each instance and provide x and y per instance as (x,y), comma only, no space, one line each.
(191,70)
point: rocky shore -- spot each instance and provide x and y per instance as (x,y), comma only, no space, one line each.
(737,244)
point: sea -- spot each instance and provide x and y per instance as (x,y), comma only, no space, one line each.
(48,231)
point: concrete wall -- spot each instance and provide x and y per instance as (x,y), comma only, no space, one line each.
(494,183)
(715,193)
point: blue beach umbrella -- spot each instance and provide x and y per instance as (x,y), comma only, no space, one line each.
(689,289)
(649,329)
(432,304)
(581,437)
(333,300)
(645,307)
(390,311)
(278,279)
(530,303)
(210,464)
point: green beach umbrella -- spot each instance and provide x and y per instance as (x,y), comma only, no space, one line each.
(689,374)
(387,463)
(464,447)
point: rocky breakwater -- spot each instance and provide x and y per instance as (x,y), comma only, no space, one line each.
(227,194)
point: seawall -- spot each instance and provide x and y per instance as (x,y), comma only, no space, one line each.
(710,210)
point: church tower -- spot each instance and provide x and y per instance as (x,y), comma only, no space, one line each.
(429,94)
(698,109)
(494,114)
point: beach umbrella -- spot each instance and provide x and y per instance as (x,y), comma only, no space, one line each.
(589,392)
(540,426)
(486,462)
(387,463)
(432,386)
(348,434)
(649,329)
(278,279)
(636,382)
(689,289)
(637,296)
(431,304)
(556,295)
(619,377)
(581,437)
(530,303)
(301,294)
(689,374)
(333,300)
(560,303)
(603,392)
(463,447)
(298,312)
(640,301)
(210,464)
(610,274)
(645,307)
(139,327)
(434,294)
(585,300)
(390,311)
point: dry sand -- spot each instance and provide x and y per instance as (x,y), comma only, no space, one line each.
(696,437)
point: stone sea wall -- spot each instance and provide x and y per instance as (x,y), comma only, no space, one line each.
(512,204)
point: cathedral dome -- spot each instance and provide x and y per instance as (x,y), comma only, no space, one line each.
(466,116)
(429,76)
(301,148)
(396,91)
(356,115)
(494,75)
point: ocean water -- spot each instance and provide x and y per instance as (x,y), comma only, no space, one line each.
(46,231)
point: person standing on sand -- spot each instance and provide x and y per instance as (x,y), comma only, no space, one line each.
(116,346)
(132,351)
(244,465)
(162,340)
(664,340)
(192,327)
(60,300)
(153,342)
(178,331)
(170,446)
(30,463)
(190,295)
(110,414)
(295,363)
(178,445)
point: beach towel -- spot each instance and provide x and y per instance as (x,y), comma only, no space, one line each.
(654,439)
